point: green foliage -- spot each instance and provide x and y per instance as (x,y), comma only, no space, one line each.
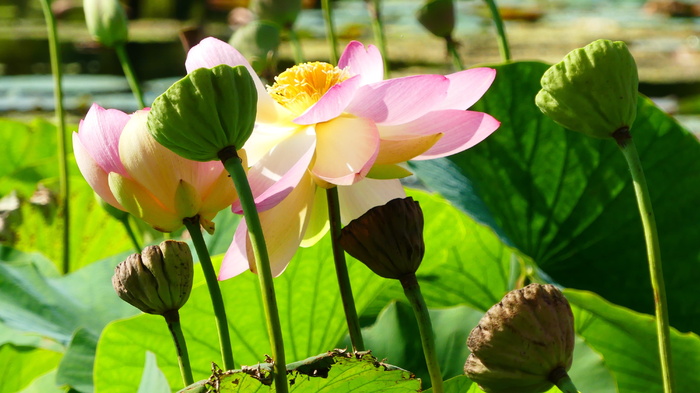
(22,364)
(540,202)
(566,201)
(627,341)
(335,371)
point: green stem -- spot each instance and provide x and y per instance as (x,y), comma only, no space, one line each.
(341,271)
(454,53)
(217,301)
(330,30)
(130,231)
(129,73)
(296,46)
(64,186)
(233,164)
(629,150)
(375,13)
(183,358)
(566,385)
(425,327)
(502,38)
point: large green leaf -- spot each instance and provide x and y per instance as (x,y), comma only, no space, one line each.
(27,155)
(567,202)
(627,341)
(153,380)
(335,371)
(20,365)
(310,306)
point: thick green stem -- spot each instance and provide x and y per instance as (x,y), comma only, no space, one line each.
(217,301)
(341,271)
(375,13)
(233,164)
(330,30)
(425,327)
(129,73)
(64,186)
(629,150)
(454,54)
(183,358)
(566,385)
(130,231)
(296,46)
(502,38)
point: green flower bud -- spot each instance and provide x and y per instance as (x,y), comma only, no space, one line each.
(158,280)
(206,111)
(258,42)
(281,12)
(106,21)
(593,90)
(523,344)
(388,239)
(438,16)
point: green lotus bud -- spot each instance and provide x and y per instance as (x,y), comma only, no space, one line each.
(281,12)
(593,90)
(388,238)
(106,21)
(438,16)
(208,110)
(523,344)
(258,42)
(158,280)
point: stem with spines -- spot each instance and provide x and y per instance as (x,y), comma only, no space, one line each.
(217,301)
(172,318)
(651,237)
(341,271)
(503,46)
(234,165)
(425,327)
(330,30)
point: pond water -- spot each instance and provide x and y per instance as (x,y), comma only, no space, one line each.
(667,49)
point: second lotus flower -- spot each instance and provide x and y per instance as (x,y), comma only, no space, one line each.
(320,126)
(132,172)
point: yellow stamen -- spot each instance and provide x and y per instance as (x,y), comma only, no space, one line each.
(303,85)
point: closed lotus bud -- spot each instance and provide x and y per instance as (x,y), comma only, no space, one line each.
(523,344)
(281,12)
(158,280)
(106,21)
(206,111)
(593,90)
(438,16)
(388,239)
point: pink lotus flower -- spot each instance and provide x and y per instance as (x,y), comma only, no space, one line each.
(325,126)
(129,170)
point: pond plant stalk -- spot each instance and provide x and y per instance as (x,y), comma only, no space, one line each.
(626,144)
(130,75)
(375,13)
(172,318)
(192,225)
(234,165)
(503,46)
(64,186)
(330,30)
(411,289)
(341,271)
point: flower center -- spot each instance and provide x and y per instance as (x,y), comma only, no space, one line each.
(303,85)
